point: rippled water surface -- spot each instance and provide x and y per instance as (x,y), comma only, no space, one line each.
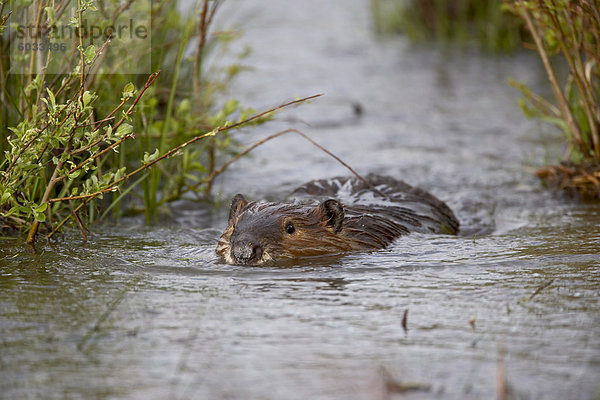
(511,304)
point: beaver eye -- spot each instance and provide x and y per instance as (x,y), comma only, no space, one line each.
(290,228)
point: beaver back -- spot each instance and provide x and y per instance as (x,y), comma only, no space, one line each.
(415,209)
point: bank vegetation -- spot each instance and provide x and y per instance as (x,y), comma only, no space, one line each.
(110,108)
(566,36)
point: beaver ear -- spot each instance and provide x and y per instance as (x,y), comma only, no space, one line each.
(332,213)
(237,204)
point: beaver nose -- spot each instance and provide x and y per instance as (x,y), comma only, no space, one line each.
(246,252)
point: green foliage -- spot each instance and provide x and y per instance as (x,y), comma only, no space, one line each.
(86,116)
(456,21)
(570,31)
(58,152)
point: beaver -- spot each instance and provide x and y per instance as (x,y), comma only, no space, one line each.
(330,216)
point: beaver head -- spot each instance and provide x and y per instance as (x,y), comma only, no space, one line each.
(260,232)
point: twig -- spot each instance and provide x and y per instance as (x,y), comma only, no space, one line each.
(501,384)
(558,94)
(55,178)
(97,142)
(392,385)
(219,171)
(121,10)
(573,58)
(174,150)
(81,56)
(539,289)
(92,124)
(538,101)
(5,174)
(37,29)
(88,197)
(50,186)
(5,17)
(64,221)
(271,111)
(34,227)
(48,123)
(202,28)
(148,83)
(81,226)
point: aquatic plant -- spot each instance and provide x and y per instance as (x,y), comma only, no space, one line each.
(569,31)
(88,109)
(450,21)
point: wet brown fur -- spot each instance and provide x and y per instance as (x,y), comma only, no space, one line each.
(257,232)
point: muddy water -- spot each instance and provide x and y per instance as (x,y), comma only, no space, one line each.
(149,313)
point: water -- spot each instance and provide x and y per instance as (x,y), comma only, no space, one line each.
(148,312)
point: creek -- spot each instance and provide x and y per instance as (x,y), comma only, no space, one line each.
(512,303)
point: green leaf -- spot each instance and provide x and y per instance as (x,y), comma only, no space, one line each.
(198,167)
(75,175)
(89,53)
(247,113)
(35,84)
(150,157)
(41,208)
(128,90)
(5,197)
(230,106)
(29,167)
(184,107)
(120,173)
(51,97)
(12,211)
(87,97)
(192,177)
(39,216)
(107,178)
(129,87)
(123,130)
(50,13)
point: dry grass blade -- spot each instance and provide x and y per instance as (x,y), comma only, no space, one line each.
(540,288)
